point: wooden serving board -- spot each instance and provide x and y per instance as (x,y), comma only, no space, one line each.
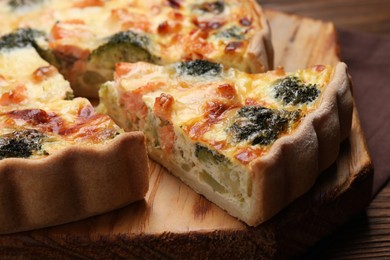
(175,222)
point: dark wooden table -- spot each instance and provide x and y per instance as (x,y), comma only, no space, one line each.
(368,235)
(361,15)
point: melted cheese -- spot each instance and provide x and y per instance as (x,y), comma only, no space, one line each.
(32,97)
(203,107)
(186,121)
(177,32)
(17,67)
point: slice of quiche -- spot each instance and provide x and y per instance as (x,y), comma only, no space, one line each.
(60,161)
(251,143)
(86,38)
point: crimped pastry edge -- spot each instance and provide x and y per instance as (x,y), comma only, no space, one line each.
(294,162)
(72,184)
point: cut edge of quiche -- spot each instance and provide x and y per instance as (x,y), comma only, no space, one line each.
(183,131)
(60,160)
(84,45)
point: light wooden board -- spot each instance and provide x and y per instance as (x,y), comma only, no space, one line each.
(175,222)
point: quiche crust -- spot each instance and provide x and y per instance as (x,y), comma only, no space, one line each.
(294,162)
(252,192)
(72,184)
(60,161)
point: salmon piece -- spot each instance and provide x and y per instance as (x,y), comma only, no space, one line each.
(14,96)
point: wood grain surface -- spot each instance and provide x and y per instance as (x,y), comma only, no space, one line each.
(175,222)
(360,15)
(368,235)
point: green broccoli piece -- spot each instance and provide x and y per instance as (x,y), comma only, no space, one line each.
(199,68)
(259,125)
(122,47)
(27,37)
(125,46)
(212,159)
(20,144)
(23,3)
(233,32)
(208,156)
(291,90)
(20,38)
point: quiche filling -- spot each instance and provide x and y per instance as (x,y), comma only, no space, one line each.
(84,39)
(205,118)
(37,113)
(60,160)
(207,123)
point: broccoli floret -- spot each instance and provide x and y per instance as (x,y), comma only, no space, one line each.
(124,46)
(208,156)
(291,90)
(69,95)
(23,3)
(20,144)
(20,38)
(216,7)
(121,47)
(233,32)
(212,159)
(27,37)
(198,68)
(260,125)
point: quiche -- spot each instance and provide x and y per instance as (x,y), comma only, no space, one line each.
(85,38)
(60,161)
(250,143)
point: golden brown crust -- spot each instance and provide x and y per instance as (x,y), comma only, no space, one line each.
(72,184)
(260,52)
(294,162)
